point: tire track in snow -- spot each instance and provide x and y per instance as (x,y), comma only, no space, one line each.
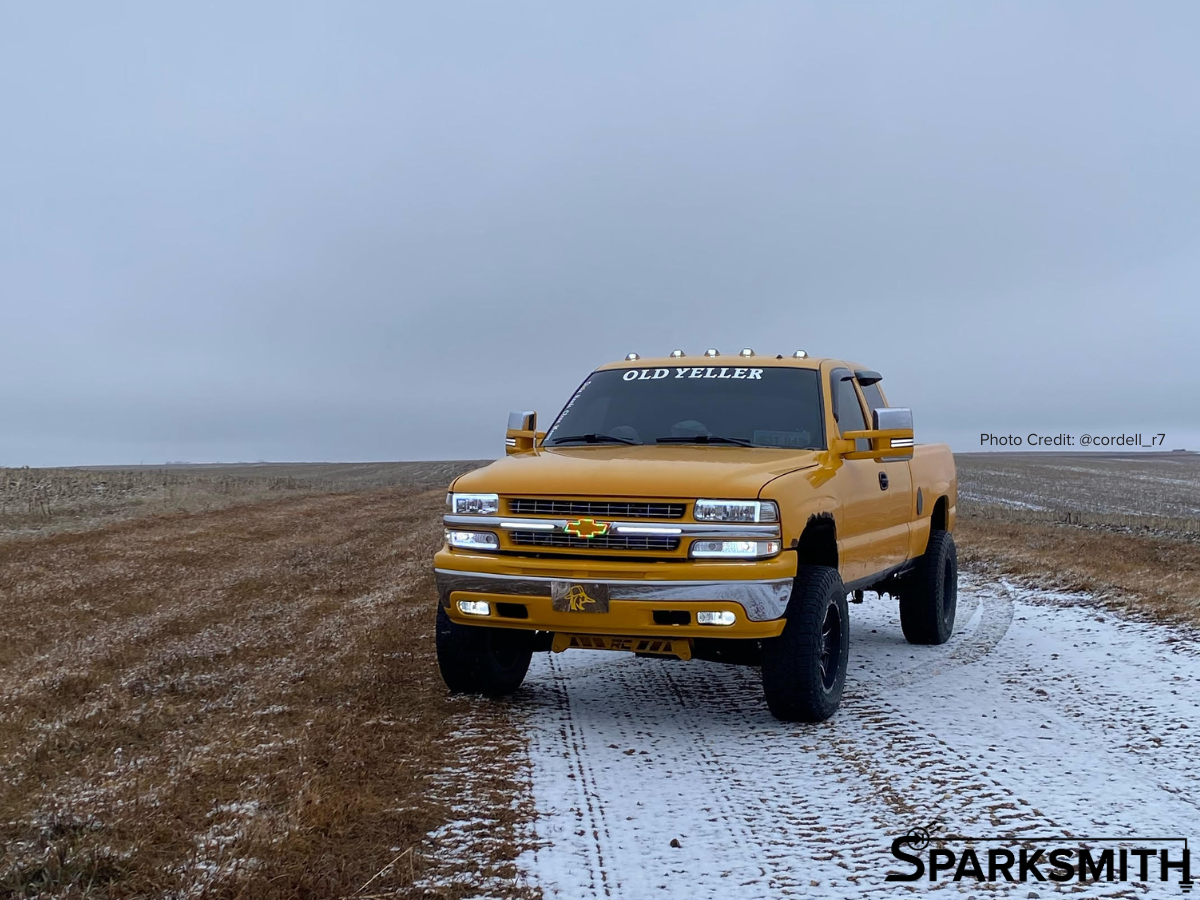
(935,781)
(725,776)
(1128,719)
(590,806)
(932,783)
(654,680)
(799,840)
(664,750)
(733,784)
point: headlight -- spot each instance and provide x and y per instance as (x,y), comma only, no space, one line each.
(736,511)
(734,549)
(472,540)
(474,504)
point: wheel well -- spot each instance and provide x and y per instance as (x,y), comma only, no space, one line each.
(937,522)
(818,543)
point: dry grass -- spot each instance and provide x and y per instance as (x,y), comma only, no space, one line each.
(243,703)
(1122,528)
(38,501)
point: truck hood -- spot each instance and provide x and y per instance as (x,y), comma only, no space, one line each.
(642,471)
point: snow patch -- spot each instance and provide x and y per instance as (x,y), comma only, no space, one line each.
(1044,714)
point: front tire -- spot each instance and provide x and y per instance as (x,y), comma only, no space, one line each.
(476,659)
(929,594)
(804,669)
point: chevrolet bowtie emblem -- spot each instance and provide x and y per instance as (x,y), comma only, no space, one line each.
(586,528)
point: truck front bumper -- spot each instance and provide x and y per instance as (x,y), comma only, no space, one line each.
(756,593)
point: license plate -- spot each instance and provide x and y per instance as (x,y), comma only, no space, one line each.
(576,596)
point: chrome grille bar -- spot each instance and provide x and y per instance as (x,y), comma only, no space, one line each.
(643,543)
(605,509)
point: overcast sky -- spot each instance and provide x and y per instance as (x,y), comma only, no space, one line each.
(356,231)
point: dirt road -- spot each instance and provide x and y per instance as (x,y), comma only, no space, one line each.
(1040,717)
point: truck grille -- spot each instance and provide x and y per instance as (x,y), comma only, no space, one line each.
(606,509)
(641,542)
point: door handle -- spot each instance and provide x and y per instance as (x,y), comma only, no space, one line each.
(883,481)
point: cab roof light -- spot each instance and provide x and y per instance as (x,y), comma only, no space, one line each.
(746,351)
(800,354)
(632,356)
(675,354)
(712,351)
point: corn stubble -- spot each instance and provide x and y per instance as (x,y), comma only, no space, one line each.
(243,703)
(1122,528)
(39,501)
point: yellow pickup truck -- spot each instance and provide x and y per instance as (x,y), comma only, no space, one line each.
(713,507)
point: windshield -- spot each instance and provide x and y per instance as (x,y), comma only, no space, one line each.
(759,407)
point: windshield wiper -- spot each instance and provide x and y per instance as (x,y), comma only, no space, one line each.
(593,439)
(704,439)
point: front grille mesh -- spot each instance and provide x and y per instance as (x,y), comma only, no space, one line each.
(643,542)
(609,509)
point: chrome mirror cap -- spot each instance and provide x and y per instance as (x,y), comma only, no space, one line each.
(522,421)
(892,418)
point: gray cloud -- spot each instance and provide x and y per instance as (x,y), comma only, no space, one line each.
(367,231)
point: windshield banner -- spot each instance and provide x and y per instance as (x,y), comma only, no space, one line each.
(693,372)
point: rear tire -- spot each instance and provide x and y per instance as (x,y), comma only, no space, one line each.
(804,669)
(476,659)
(929,594)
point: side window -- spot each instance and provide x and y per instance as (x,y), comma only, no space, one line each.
(874,397)
(846,406)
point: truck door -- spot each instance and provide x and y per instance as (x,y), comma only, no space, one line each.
(873,533)
(898,508)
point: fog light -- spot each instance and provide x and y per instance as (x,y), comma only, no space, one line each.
(472,540)
(474,607)
(720,617)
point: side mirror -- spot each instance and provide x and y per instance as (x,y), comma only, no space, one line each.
(891,435)
(522,432)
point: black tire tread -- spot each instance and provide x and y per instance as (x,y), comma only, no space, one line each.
(468,662)
(790,662)
(922,595)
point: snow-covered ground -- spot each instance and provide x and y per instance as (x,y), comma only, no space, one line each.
(1044,715)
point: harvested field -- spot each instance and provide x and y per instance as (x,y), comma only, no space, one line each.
(35,501)
(241,702)
(1125,528)
(1097,488)
(231,691)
